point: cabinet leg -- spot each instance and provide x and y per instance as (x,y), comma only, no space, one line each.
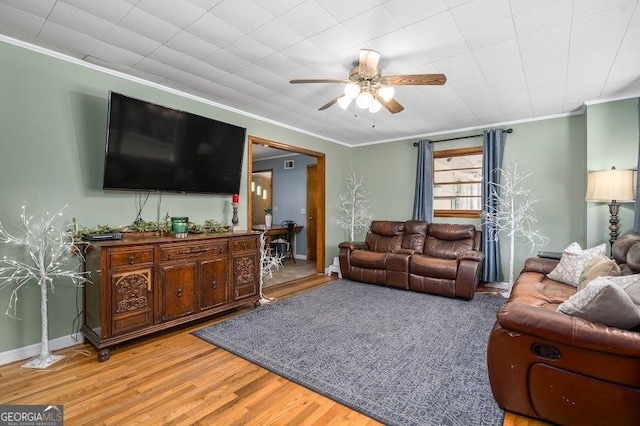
(104,354)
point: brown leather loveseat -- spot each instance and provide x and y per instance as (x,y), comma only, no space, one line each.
(437,258)
(561,368)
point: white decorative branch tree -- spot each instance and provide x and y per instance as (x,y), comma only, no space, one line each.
(513,214)
(267,263)
(353,206)
(48,246)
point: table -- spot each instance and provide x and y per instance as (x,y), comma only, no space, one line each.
(274,231)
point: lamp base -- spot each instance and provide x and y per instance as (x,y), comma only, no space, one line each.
(614,208)
(43,363)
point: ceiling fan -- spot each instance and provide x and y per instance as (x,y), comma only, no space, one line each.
(369,88)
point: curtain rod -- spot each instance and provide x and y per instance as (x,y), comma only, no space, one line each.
(463,137)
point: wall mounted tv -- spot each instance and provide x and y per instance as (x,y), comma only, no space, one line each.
(154,148)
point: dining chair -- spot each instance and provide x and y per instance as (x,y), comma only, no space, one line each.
(283,244)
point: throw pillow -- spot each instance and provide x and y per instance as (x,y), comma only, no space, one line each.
(599,266)
(630,284)
(604,302)
(572,263)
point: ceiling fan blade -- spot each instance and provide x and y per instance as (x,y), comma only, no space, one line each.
(328,104)
(393,106)
(317,80)
(416,79)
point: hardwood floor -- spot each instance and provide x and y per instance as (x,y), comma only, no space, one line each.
(174,378)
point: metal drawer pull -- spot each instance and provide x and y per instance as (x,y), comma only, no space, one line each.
(132,260)
(179,293)
(214,284)
(244,246)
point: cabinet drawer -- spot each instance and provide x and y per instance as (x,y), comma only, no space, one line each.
(245,291)
(182,251)
(240,244)
(131,256)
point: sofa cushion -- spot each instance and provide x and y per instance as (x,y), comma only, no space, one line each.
(383,244)
(387,228)
(572,263)
(368,260)
(599,266)
(415,232)
(630,284)
(451,232)
(604,302)
(447,241)
(433,267)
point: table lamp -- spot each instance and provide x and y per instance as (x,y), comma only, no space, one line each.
(612,187)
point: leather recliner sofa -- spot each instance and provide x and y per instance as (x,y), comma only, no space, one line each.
(437,258)
(559,368)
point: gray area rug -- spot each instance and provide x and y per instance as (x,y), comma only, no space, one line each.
(400,357)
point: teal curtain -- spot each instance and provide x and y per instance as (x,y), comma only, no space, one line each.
(423,196)
(493,146)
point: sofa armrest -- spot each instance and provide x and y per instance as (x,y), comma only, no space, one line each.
(568,330)
(353,245)
(468,275)
(541,265)
(471,255)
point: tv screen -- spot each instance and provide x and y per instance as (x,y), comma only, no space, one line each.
(154,148)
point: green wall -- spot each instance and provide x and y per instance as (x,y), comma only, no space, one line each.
(612,141)
(552,149)
(53,119)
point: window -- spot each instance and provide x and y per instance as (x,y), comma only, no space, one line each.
(457,182)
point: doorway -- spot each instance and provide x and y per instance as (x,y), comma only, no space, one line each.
(317,193)
(261,194)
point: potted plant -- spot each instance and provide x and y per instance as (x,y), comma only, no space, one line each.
(268,219)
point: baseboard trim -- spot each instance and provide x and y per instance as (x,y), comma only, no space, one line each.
(30,351)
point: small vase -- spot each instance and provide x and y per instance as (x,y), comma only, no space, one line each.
(268,220)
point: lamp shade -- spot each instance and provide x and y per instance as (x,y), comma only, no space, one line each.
(375,106)
(344,102)
(364,100)
(386,93)
(609,185)
(351,90)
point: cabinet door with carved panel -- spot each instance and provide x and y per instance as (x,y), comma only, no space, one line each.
(245,267)
(177,281)
(214,278)
(132,299)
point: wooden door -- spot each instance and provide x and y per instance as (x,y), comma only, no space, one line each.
(214,280)
(178,289)
(313,185)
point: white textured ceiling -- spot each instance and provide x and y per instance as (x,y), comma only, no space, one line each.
(505,60)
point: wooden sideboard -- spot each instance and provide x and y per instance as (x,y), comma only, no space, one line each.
(140,285)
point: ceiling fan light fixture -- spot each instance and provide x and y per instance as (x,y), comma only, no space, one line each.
(375,106)
(364,100)
(386,93)
(369,58)
(351,90)
(344,102)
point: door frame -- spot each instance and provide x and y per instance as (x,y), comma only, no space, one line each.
(320,161)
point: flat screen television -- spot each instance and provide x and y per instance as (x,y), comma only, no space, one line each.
(154,148)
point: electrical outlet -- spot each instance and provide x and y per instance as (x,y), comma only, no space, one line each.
(303,211)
